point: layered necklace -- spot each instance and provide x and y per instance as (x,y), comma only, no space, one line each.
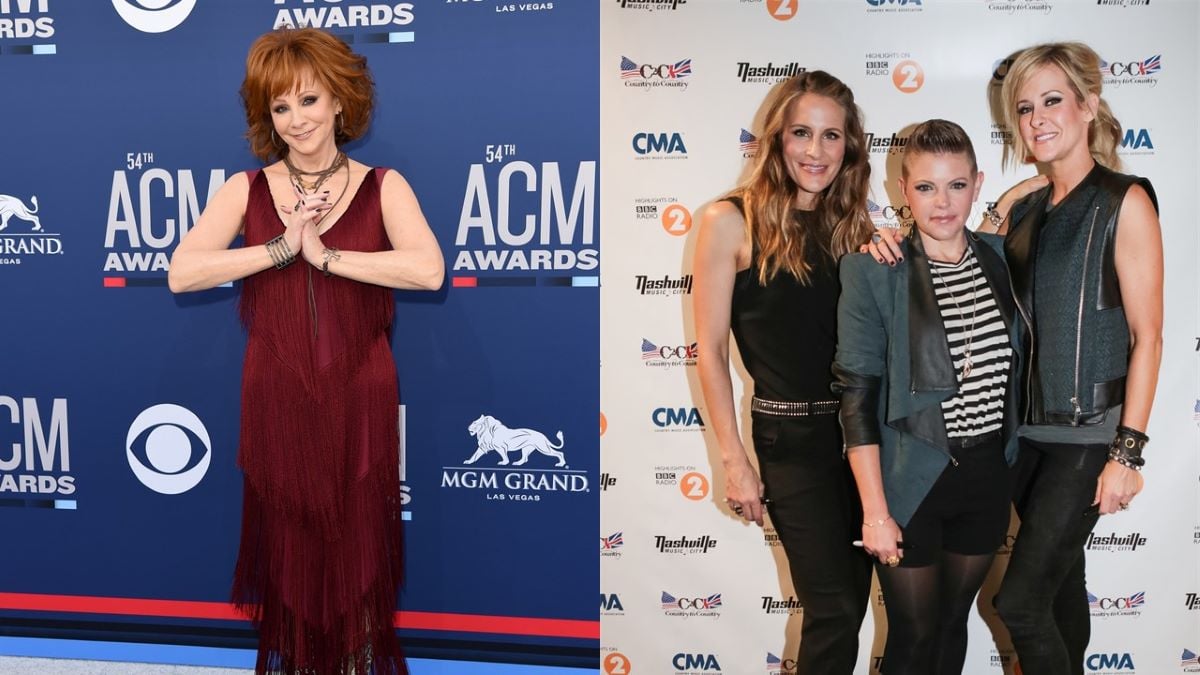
(969,332)
(318,178)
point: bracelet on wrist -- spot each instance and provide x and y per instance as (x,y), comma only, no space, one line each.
(329,254)
(877,523)
(993,216)
(281,254)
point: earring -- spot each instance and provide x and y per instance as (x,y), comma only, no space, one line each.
(338,117)
(274,138)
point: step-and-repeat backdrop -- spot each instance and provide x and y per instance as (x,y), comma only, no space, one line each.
(119,402)
(685,587)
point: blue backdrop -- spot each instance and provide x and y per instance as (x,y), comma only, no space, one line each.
(121,119)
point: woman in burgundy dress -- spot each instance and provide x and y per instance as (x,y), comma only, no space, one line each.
(325,240)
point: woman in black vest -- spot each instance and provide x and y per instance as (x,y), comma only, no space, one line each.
(766,267)
(1086,258)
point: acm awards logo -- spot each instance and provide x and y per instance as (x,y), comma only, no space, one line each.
(168,449)
(35,450)
(154,16)
(649,76)
(523,224)
(893,6)
(778,666)
(367,23)
(26,20)
(511,450)
(1104,608)
(149,210)
(27,236)
(1111,663)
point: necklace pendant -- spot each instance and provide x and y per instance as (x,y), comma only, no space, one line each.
(966,370)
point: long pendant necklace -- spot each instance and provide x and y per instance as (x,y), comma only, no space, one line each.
(297,178)
(967,364)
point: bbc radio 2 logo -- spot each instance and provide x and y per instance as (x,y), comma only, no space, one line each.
(906,74)
(507,450)
(353,22)
(525,225)
(150,208)
(647,76)
(154,16)
(616,663)
(26,237)
(691,483)
(675,218)
(35,452)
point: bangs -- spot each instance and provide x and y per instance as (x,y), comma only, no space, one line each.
(290,71)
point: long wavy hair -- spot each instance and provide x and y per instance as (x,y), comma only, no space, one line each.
(841,224)
(1081,65)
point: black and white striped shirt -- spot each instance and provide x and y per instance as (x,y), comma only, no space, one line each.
(978,407)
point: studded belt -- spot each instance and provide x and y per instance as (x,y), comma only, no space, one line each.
(794,408)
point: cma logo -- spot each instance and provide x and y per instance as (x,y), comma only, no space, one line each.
(677,417)
(683,661)
(1137,139)
(610,602)
(1114,661)
(646,143)
(901,3)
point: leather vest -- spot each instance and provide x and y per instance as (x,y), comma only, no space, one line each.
(1066,288)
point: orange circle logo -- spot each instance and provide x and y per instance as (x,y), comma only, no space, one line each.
(908,76)
(782,10)
(603,424)
(694,486)
(616,663)
(677,220)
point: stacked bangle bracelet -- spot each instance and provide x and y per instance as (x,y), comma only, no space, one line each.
(281,253)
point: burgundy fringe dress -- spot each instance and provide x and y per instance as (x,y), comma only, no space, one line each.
(320,562)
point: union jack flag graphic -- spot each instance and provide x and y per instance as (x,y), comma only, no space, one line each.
(682,69)
(650,351)
(669,601)
(1189,658)
(628,68)
(749,141)
(713,601)
(1152,65)
(612,541)
(1137,599)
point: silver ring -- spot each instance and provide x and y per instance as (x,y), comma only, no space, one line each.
(876,237)
(1124,506)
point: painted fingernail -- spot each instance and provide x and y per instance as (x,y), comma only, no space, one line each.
(892,264)
(901,259)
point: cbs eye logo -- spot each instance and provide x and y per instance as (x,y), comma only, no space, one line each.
(154,16)
(168,449)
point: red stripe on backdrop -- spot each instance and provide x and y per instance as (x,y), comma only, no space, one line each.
(114,282)
(184,609)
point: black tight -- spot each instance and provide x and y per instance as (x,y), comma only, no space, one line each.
(927,611)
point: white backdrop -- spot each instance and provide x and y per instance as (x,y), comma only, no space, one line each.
(685,587)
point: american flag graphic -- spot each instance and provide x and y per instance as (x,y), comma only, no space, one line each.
(683,69)
(650,351)
(612,541)
(1093,601)
(774,663)
(1196,411)
(668,601)
(874,210)
(1189,658)
(1152,65)
(628,68)
(749,141)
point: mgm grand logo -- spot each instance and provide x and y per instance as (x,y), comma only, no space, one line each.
(513,477)
(26,238)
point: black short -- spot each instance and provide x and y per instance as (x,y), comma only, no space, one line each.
(966,510)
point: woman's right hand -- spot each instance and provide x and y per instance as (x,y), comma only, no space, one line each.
(744,491)
(304,213)
(884,246)
(881,540)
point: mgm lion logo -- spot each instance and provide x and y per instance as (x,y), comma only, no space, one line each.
(493,436)
(11,206)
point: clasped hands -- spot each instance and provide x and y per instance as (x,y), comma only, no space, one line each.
(301,224)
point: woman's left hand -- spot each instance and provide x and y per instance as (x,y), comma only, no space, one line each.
(312,249)
(1116,488)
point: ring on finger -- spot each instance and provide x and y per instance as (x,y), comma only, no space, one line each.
(1124,506)
(892,560)
(876,237)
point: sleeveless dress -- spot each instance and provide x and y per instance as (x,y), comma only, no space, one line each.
(319,564)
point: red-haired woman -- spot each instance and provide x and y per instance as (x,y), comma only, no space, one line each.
(325,240)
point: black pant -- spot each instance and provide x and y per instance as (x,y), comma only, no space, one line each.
(816,511)
(1042,599)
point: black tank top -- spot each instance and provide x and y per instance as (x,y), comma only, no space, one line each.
(786,331)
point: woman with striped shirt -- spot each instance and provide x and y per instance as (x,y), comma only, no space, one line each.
(925,367)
